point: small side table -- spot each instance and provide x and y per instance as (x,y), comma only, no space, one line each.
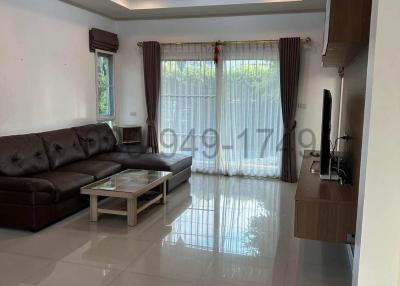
(129,134)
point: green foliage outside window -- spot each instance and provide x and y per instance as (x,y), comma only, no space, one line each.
(256,75)
(104,78)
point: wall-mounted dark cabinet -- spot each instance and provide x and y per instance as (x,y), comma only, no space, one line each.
(346,30)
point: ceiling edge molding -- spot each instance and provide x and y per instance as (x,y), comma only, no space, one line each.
(216,15)
(87,9)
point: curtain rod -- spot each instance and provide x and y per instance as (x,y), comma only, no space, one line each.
(303,40)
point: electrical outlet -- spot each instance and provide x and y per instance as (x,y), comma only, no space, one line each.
(133,114)
(301,105)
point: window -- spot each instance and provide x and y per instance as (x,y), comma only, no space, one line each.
(187,116)
(105,86)
(227,116)
(251,116)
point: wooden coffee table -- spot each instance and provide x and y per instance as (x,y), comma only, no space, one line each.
(128,185)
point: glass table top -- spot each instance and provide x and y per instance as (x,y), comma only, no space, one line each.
(129,181)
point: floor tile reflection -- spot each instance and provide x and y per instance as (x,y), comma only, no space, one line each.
(15,268)
(215,230)
(69,274)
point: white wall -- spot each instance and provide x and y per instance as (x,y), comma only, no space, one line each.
(313,78)
(377,255)
(46,72)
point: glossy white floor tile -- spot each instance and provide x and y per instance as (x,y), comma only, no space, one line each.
(133,279)
(174,261)
(214,230)
(108,252)
(51,243)
(229,269)
(15,268)
(305,274)
(70,274)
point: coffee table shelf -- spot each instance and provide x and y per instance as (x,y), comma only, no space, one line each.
(126,187)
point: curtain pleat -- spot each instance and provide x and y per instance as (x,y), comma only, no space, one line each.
(249,131)
(188,104)
(227,116)
(289,55)
(152,77)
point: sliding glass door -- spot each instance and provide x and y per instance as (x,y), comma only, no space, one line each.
(188,104)
(251,121)
(226,115)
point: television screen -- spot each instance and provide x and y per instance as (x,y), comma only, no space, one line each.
(326,133)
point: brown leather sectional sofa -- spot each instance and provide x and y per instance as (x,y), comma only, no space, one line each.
(41,174)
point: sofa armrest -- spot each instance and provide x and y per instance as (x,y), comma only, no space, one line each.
(132,148)
(27,185)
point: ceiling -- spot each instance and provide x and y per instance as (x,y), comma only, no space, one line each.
(159,9)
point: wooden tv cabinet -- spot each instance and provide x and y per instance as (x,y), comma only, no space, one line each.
(324,210)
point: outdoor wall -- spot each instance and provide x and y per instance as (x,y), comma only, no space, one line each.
(47,74)
(313,78)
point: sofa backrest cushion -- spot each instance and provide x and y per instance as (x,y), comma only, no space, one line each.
(62,147)
(96,138)
(106,137)
(22,155)
(89,138)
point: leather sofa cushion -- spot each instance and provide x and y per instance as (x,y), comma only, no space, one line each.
(22,184)
(106,137)
(96,138)
(160,162)
(22,155)
(26,198)
(97,169)
(132,148)
(66,184)
(26,191)
(89,138)
(62,147)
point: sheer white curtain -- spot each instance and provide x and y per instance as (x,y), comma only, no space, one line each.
(188,103)
(227,116)
(251,125)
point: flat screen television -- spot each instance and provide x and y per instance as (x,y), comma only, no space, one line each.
(325,152)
